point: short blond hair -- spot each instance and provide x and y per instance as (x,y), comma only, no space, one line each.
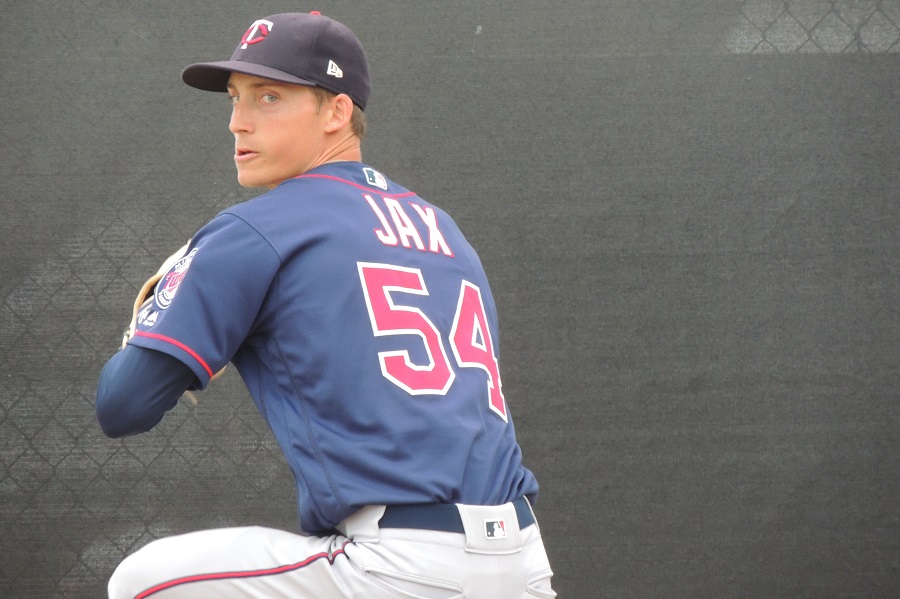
(358,123)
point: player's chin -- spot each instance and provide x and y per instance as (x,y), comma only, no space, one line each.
(243,182)
(250,179)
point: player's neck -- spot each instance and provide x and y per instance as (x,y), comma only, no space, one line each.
(346,150)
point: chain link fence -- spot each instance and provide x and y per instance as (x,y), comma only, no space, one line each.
(816,27)
(74,502)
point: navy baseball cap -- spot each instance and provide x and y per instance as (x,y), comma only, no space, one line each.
(300,48)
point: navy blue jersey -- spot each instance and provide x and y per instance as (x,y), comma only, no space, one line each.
(364,328)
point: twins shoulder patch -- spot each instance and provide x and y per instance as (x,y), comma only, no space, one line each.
(168,285)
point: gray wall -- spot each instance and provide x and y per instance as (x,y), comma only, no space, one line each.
(689,214)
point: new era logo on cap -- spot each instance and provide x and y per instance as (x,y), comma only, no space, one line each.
(334,70)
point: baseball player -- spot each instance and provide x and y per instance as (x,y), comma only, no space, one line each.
(362,323)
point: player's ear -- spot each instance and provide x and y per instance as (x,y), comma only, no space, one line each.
(340,111)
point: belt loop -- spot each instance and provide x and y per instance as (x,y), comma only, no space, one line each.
(362,526)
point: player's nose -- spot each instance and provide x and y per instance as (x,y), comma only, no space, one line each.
(240,122)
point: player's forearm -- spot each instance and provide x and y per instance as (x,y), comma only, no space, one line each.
(137,387)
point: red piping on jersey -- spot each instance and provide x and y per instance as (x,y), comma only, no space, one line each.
(357,185)
(179,345)
(245,574)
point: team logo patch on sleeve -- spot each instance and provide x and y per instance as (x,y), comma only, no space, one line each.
(168,285)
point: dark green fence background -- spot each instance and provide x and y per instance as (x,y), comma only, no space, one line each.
(689,211)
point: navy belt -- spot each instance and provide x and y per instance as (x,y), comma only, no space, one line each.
(442,516)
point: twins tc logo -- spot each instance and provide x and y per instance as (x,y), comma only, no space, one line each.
(257,33)
(169,283)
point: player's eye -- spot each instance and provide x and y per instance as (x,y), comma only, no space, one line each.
(233,99)
(269,98)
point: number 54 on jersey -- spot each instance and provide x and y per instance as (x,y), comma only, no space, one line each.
(470,337)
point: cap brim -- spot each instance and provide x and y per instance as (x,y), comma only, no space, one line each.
(213,76)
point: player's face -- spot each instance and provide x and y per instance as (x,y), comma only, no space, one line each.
(279,130)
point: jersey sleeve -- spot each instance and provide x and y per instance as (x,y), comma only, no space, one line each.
(137,387)
(206,305)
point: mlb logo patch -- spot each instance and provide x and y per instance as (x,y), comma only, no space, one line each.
(494,529)
(375,178)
